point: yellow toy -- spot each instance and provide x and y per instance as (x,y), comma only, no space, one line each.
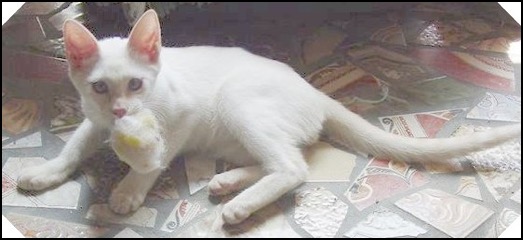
(137,141)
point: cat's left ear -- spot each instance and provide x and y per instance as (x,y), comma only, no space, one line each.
(145,38)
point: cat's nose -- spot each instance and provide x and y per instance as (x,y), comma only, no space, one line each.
(119,112)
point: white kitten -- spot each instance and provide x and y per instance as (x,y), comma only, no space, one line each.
(224,102)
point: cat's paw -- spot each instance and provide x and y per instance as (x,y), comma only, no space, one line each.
(123,201)
(41,177)
(221,185)
(233,213)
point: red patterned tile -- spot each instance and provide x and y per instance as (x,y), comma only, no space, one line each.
(485,71)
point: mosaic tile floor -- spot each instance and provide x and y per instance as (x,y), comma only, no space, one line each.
(419,69)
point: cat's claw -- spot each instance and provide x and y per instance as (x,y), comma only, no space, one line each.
(234,213)
(40,177)
(123,202)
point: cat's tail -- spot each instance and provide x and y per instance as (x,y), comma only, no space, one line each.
(352,130)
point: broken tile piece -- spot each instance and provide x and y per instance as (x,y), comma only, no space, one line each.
(420,125)
(69,113)
(127,233)
(33,140)
(438,33)
(65,136)
(468,187)
(497,107)
(499,183)
(504,219)
(495,73)
(199,172)
(319,212)
(499,44)
(382,179)
(454,216)
(37,227)
(143,217)
(19,115)
(503,157)
(182,213)
(63,196)
(382,223)
(327,163)
(517,196)
(42,68)
(321,44)
(350,85)
(269,222)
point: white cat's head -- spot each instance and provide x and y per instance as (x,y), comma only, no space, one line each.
(114,76)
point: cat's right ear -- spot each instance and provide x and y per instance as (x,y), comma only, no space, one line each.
(81,46)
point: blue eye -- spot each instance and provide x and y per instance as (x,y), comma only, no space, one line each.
(100,87)
(135,84)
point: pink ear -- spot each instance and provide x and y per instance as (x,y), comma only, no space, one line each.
(145,38)
(81,46)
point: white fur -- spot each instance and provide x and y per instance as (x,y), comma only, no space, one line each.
(231,104)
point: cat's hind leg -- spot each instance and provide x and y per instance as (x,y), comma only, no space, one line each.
(286,169)
(234,180)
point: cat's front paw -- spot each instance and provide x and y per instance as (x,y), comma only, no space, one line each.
(220,185)
(123,201)
(41,177)
(233,213)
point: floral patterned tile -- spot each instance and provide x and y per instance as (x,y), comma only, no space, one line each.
(64,196)
(142,217)
(321,44)
(499,44)
(269,222)
(392,34)
(319,212)
(484,71)
(20,115)
(328,164)
(182,214)
(68,113)
(38,227)
(475,25)
(350,85)
(497,107)
(468,187)
(393,67)
(420,125)
(383,223)
(382,179)
(199,171)
(454,216)
(504,219)
(33,140)
(127,233)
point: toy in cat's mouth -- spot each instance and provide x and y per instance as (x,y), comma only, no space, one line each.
(137,141)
